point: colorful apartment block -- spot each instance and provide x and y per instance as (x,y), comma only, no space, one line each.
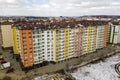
(38,42)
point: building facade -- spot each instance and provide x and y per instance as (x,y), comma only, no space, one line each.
(114,34)
(0,36)
(36,43)
(6,35)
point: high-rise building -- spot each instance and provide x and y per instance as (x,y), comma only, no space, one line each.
(37,42)
(114,32)
(6,35)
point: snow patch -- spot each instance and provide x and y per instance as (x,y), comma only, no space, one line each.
(99,71)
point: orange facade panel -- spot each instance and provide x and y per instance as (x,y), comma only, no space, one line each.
(78,41)
(27,49)
(105,35)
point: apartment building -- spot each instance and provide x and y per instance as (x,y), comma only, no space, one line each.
(114,35)
(0,36)
(38,42)
(6,35)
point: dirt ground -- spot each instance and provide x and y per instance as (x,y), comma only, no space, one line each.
(9,58)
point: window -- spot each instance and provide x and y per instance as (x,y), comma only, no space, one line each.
(33,36)
(48,49)
(25,48)
(24,37)
(35,55)
(48,45)
(24,45)
(29,32)
(48,55)
(23,33)
(25,52)
(26,62)
(42,35)
(30,37)
(48,52)
(38,36)
(24,41)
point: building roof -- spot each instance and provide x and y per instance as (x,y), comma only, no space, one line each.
(61,24)
(6,23)
(116,23)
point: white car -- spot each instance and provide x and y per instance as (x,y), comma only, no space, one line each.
(5,65)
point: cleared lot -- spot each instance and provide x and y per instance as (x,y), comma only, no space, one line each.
(102,70)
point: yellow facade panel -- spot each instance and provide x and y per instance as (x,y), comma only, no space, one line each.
(15,40)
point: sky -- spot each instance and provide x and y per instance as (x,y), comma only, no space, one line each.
(59,7)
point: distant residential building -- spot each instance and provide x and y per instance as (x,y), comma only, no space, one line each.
(0,36)
(114,35)
(6,34)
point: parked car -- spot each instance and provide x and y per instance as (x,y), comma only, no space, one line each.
(5,65)
(2,61)
(10,70)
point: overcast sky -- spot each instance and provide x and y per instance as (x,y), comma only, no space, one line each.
(59,7)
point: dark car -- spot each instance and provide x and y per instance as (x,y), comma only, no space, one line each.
(10,70)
